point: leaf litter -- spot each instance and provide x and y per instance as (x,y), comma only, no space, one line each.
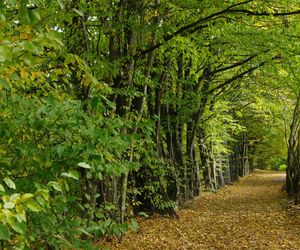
(253,213)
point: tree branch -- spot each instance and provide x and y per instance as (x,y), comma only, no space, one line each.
(197,24)
(241,75)
(168,38)
(185,29)
(240,63)
(252,13)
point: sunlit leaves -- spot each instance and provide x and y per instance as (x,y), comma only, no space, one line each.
(9,183)
(25,197)
(9,205)
(55,186)
(72,174)
(33,206)
(84,165)
(2,189)
(5,53)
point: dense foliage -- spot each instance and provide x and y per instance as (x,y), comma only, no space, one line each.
(115,107)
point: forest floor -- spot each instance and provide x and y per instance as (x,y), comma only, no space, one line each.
(253,213)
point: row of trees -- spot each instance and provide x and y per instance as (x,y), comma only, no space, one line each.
(114,107)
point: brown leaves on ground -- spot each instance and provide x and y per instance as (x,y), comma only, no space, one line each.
(251,214)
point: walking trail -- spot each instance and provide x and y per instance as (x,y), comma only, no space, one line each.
(251,214)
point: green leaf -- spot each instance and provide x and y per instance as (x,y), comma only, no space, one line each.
(78,12)
(61,4)
(116,230)
(25,197)
(4,232)
(2,18)
(84,165)
(85,232)
(60,149)
(14,197)
(31,16)
(32,47)
(143,214)
(21,215)
(4,84)
(133,225)
(2,189)
(72,174)
(5,53)
(5,198)
(44,193)
(37,15)
(55,36)
(33,206)
(9,183)
(20,228)
(55,185)
(9,205)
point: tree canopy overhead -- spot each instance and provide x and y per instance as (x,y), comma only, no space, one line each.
(110,108)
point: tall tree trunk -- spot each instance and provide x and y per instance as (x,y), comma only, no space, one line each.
(292,171)
(214,170)
(196,174)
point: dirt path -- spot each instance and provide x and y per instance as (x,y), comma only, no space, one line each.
(251,214)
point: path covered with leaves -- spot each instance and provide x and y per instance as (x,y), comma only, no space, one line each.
(251,214)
